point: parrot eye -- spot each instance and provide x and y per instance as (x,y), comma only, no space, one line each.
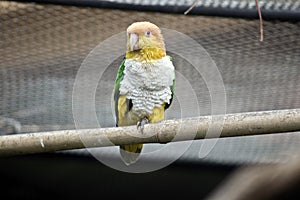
(148,33)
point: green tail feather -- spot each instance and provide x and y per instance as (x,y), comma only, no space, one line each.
(130,153)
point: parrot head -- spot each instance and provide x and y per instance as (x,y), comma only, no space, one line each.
(145,41)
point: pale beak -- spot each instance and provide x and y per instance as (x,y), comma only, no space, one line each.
(133,41)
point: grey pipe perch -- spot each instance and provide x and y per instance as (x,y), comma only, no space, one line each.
(240,124)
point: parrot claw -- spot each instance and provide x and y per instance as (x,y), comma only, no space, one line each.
(141,124)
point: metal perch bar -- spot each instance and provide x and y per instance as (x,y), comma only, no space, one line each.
(230,125)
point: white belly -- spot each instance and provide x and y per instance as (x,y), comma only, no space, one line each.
(147,84)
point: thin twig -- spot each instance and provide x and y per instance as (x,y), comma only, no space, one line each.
(261,30)
(192,6)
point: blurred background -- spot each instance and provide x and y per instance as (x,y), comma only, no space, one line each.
(42,46)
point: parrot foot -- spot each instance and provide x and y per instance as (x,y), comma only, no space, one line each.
(140,124)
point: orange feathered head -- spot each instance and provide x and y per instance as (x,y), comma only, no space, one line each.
(145,37)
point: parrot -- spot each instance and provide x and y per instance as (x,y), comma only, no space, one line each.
(144,85)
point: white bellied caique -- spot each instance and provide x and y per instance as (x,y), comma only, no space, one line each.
(144,86)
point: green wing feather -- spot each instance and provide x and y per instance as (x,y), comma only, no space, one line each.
(118,80)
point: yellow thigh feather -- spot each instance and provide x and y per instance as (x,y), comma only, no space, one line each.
(126,118)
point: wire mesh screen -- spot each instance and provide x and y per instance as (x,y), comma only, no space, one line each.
(43,46)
